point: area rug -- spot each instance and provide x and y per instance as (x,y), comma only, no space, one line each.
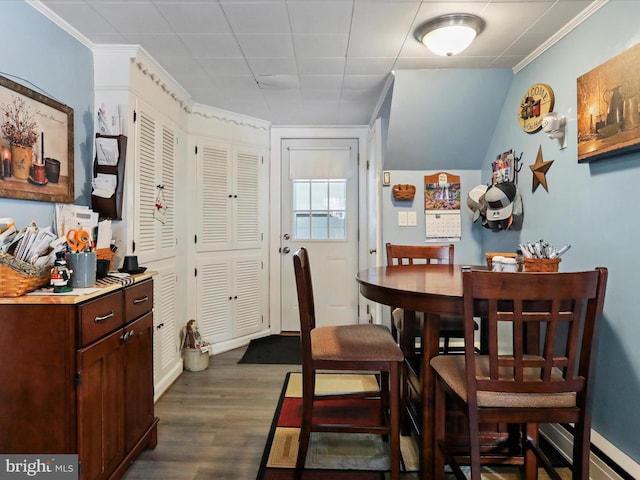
(345,456)
(331,455)
(274,350)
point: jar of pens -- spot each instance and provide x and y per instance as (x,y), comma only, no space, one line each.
(541,256)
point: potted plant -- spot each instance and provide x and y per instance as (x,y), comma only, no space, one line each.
(20,129)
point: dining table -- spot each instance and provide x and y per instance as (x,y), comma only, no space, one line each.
(435,290)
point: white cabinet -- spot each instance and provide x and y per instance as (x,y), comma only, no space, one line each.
(230,246)
(230,295)
(156,147)
(231,183)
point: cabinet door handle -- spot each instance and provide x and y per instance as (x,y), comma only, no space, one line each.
(136,301)
(127,336)
(104,318)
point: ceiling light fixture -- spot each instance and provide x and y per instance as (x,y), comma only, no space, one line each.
(450,34)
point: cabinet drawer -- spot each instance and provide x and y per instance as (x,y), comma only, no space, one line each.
(100,316)
(138,300)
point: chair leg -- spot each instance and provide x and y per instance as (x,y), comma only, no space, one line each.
(445,349)
(581,450)
(474,442)
(439,432)
(530,433)
(308,392)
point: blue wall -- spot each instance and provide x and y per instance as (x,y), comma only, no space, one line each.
(468,249)
(591,206)
(39,55)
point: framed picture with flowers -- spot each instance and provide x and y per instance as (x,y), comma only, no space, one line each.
(36,152)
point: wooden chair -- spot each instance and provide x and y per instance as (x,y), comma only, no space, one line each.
(553,322)
(450,327)
(360,347)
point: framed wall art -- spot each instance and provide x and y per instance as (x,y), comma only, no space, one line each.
(37,145)
(608,114)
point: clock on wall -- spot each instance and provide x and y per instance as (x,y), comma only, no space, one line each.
(536,102)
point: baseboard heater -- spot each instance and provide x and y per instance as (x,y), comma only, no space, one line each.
(603,466)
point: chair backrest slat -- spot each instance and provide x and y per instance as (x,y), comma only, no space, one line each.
(563,309)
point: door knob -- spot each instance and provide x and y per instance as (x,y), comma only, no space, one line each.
(286,236)
(285,250)
(372,250)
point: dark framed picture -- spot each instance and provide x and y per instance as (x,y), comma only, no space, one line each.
(608,113)
(37,145)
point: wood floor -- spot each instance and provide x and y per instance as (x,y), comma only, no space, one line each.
(214,423)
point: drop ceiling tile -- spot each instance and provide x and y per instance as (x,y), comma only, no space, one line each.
(133,17)
(272,66)
(266,45)
(320,81)
(319,66)
(225,66)
(217,45)
(314,46)
(257,17)
(369,66)
(191,17)
(360,82)
(320,17)
(157,45)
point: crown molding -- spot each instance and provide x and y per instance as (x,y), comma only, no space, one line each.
(555,38)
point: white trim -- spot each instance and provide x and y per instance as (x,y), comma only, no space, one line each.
(562,440)
(277,134)
(586,13)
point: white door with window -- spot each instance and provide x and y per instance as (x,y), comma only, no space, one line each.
(320,212)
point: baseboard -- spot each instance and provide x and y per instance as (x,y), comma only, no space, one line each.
(221,347)
(165,382)
(611,465)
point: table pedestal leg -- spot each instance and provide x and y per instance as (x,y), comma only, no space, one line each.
(430,348)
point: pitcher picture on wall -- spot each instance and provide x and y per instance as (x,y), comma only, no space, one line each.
(36,151)
(608,115)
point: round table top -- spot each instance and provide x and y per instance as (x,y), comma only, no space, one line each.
(432,288)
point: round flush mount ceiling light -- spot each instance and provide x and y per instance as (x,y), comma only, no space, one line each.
(450,34)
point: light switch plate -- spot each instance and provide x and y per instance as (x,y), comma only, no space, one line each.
(412,219)
(402,219)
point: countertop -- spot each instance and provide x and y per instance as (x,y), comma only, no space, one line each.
(70,299)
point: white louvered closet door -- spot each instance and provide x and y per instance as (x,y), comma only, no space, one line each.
(229,189)
(166,344)
(228,295)
(156,163)
(214,193)
(246,197)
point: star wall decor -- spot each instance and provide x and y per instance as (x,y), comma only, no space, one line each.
(539,170)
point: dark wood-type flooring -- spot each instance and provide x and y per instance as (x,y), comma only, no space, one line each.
(214,423)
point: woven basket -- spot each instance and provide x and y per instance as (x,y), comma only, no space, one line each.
(541,264)
(105,254)
(18,277)
(404,192)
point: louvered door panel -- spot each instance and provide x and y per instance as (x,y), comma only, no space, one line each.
(246,220)
(213,197)
(215,316)
(246,275)
(165,341)
(146,184)
(167,229)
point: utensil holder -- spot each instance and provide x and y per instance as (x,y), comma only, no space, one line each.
(83,266)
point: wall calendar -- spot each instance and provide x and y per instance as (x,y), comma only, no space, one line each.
(442,207)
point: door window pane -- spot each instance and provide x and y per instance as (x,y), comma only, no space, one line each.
(319,209)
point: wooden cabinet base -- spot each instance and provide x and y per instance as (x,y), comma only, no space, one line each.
(148,441)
